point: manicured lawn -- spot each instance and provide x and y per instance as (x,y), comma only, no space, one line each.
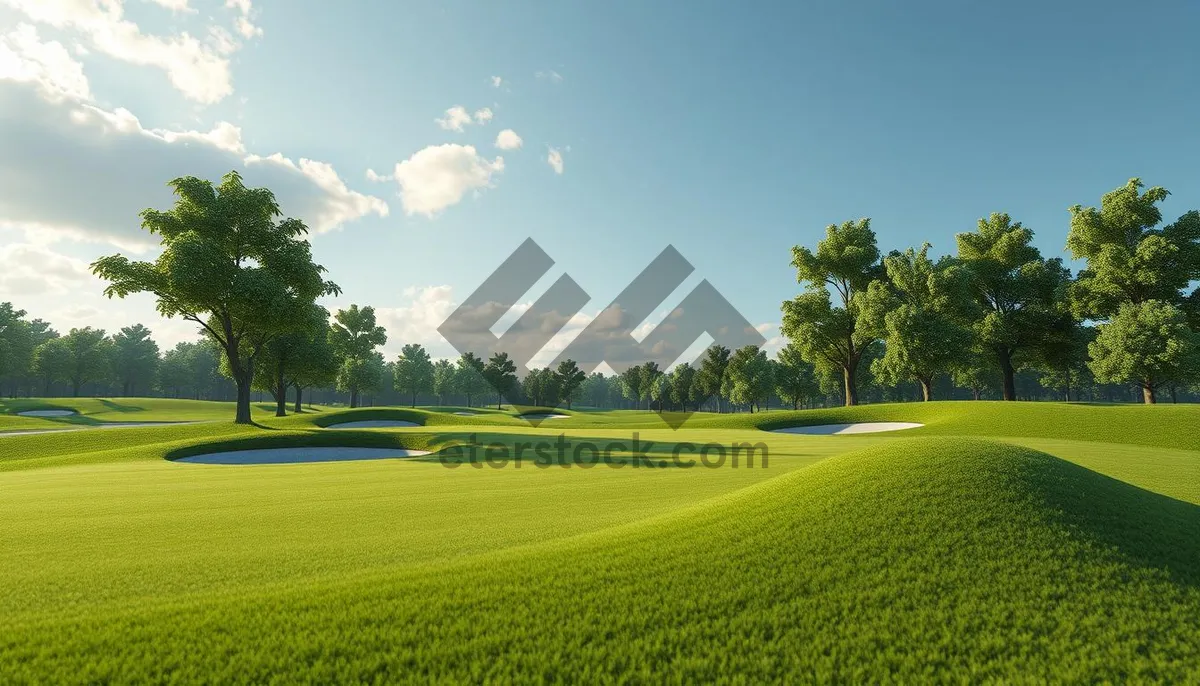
(1063,546)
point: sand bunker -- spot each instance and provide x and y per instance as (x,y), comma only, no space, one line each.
(372,424)
(541,416)
(466,414)
(299,455)
(839,429)
(48,413)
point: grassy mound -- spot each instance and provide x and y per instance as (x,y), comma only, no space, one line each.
(916,559)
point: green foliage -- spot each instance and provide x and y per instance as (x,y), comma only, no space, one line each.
(750,378)
(82,356)
(1149,344)
(193,367)
(414,371)
(445,379)
(354,336)
(469,376)
(541,387)
(795,377)
(569,378)
(836,333)
(1020,294)
(681,382)
(361,374)
(710,378)
(920,310)
(1129,260)
(501,374)
(134,359)
(227,265)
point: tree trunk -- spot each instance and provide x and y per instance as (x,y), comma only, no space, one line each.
(1174,395)
(1148,395)
(926,389)
(851,387)
(242,380)
(1006,368)
(297,407)
(414,399)
(75,388)
(975,392)
(468,400)
(353,398)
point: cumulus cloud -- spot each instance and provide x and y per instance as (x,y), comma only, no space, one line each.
(438,176)
(109,167)
(554,158)
(497,82)
(418,319)
(242,23)
(28,269)
(199,71)
(483,115)
(175,5)
(455,119)
(24,57)
(508,140)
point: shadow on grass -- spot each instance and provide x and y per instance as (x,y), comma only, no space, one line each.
(119,407)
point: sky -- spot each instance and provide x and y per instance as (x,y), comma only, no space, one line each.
(423,141)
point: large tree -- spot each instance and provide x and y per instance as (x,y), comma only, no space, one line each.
(1018,292)
(501,375)
(293,355)
(569,379)
(355,336)
(228,264)
(795,379)
(919,309)
(1150,344)
(469,376)
(134,359)
(414,371)
(829,324)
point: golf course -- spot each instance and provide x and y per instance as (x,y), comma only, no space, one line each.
(994,542)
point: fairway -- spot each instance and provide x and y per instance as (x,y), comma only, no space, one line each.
(1019,543)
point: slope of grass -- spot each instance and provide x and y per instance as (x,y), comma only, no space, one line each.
(954,559)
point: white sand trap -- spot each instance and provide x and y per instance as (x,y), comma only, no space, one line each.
(299,455)
(467,414)
(48,413)
(839,429)
(540,417)
(372,424)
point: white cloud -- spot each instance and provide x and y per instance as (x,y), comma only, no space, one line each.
(549,75)
(456,118)
(243,24)
(438,176)
(28,269)
(497,82)
(483,115)
(418,320)
(25,58)
(175,5)
(554,158)
(113,167)
(508,140)
(198,70)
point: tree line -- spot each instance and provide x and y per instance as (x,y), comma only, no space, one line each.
(996,318)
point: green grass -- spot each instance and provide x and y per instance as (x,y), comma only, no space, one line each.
(1063,546)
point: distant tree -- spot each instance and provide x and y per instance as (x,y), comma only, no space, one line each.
(291,355)
(795,378)
(315,364)
(660,389)
(681,380)
(501,375)
(227,265)
(445,380)
(569,378)
(711,376)
(135,359)
(1150,344)
(920,310)
(16,344)
(597,390)
(632,383)
(535,385)
(651,376)
(829,326)
(355,336)
(358,375)
(469,376)
(1018,292)
(749,380)
(1062,358)
(193,366)
(414,371)
(976,372)
(80,357)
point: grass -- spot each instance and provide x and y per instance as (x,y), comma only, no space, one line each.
(1060,547)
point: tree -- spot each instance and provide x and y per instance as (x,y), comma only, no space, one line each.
(445,380)
(469,376)
(919,309)
(80,357)
(501,375)
(289,356)
(227,265)
(651,375)
(1150,344)
(16,343)
(631,381)
(976,372)
(847,261)
(135,358)
(749,379)
(191,365)
(414,371)
(597,390)
(357,375)
(354,337)
(1018,292)
(795,380)
(681,380)
(569,378)
(535,385)
(711,376)
(1062,358)
(315,363)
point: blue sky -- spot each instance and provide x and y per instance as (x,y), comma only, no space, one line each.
(730,130)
